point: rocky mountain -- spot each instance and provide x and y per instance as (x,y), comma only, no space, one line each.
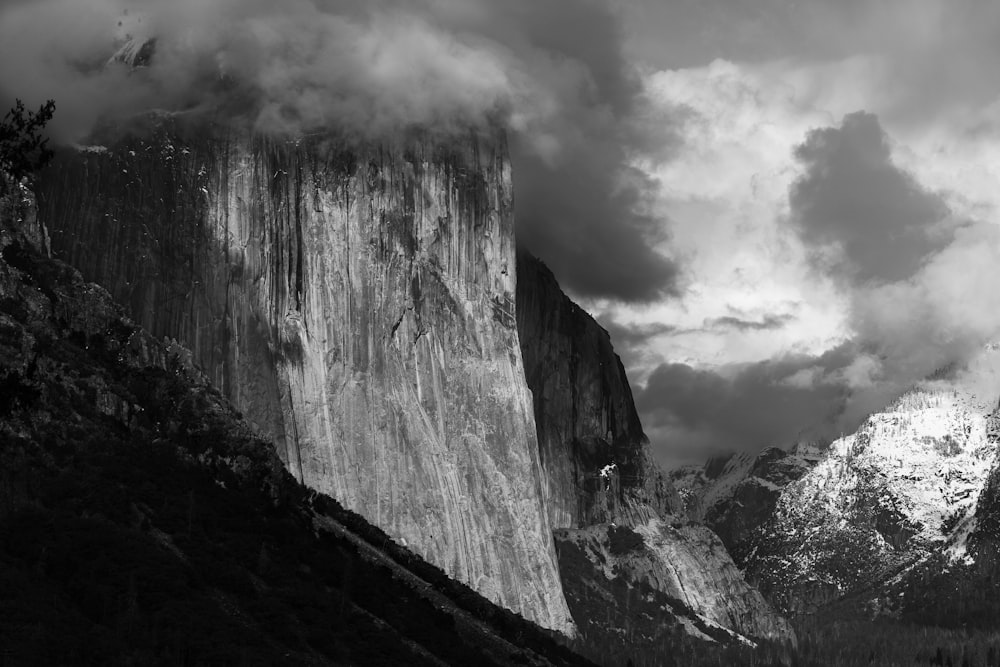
(142,522)
(637,574)
(593,449)
(890,520)
(900,490)
(735,494)
(362,305)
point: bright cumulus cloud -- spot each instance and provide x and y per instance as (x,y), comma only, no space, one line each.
(835,250)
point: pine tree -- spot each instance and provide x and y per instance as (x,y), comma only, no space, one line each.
(22,148)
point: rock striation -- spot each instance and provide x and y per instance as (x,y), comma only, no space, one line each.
(356,302)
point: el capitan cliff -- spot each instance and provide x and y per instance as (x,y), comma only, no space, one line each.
(364,306)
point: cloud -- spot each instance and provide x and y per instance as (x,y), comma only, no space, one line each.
(767,323)
(742,406)
(552,71)
(632,335)
(592,232)
(864,218)
(912,274)
(940,53)
(287,66)
(887,267)
(631,341)
(940,316)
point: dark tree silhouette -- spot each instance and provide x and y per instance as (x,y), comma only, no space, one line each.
(22,148)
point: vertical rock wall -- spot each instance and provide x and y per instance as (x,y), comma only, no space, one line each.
(357,304)
(594,453)
(600,482)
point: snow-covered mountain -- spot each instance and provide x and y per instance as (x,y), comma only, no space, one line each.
(901,490)
(736,493)
(879,517)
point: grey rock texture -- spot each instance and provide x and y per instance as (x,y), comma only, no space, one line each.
(356,303)
(682,564)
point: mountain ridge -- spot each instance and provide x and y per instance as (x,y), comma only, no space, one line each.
(892,513)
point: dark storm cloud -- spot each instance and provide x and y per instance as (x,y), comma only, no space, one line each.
(552,71)
(744,407)
(629,340)
(914,298)
(632,335)
(864,218)
(911,273)
(767,323)
(589,226)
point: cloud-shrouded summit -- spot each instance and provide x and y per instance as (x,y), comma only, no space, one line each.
(552,71)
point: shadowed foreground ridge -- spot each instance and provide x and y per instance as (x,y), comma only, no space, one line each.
(142,523)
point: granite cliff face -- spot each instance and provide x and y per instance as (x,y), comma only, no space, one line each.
(142,522)
(356,303)
(637,574)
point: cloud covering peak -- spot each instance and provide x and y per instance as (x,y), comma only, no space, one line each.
(551,71)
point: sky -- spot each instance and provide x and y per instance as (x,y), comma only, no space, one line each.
(830,200)
(783,211)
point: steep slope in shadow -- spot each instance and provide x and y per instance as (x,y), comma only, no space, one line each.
(141,521)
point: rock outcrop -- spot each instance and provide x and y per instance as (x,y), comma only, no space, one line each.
(357,303)
(595,456)
(673,581)
(664,585)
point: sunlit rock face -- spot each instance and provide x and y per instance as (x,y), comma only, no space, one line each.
(356,303)
(908,489)
(672,579)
